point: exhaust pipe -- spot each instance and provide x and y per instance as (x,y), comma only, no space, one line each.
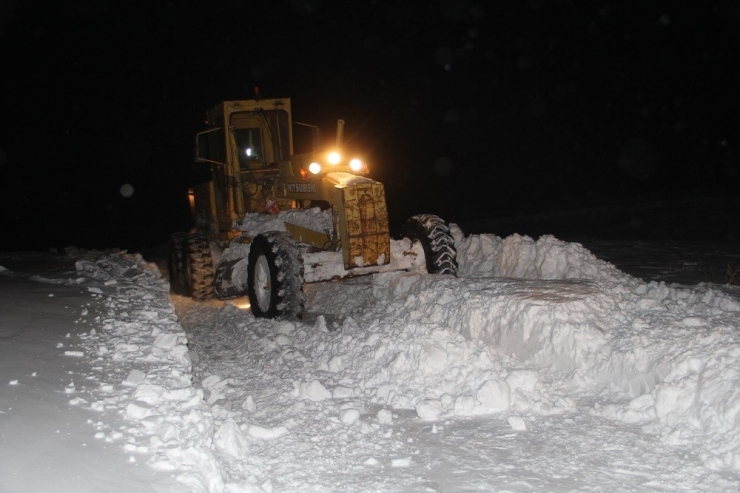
(340,134)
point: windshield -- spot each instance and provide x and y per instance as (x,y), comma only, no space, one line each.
(262,135)
(249,143)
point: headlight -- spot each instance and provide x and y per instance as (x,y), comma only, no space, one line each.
(334,158)
(314,168)
(355,165)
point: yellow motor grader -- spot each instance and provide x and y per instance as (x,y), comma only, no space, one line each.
(263,163)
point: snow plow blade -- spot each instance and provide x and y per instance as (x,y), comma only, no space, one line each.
(363,225)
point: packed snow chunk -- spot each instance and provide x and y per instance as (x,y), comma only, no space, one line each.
(398,283)
(151,394)
(674,399)
(494,396)
(517,423)
(75,354)
(336,363)
(464,405)
(286,328)
(248,487)
(315,391)
(342,392)
(522,379)
(282,340)
(167,432)
(248,404)
(385,417)
(349,416)
(267,433)
(169,341)
(123,348)
(135,377)
(229,439)
(402,462)
(212,382)
(3,269)
(181,356)
(434,357)
(185,396)
(320,324)
(92,270)
(13,382)
(694,322)
(138,410)
(429,410)
(152,422)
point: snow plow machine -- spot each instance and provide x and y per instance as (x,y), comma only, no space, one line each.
(271,219)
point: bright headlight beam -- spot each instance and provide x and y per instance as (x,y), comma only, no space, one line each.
(314,168)
(334,158)
(355,165)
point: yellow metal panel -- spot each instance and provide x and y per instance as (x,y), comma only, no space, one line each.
(308,236)
(364,225)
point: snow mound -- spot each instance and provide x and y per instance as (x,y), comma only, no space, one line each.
(522,257)
(529,329)
(144,372)
(314,219)
(565,318)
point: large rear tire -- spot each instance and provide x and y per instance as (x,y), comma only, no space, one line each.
(175,263)
(275,276)
(197,267)
(439,246)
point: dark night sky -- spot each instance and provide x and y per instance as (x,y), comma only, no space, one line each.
(464,108)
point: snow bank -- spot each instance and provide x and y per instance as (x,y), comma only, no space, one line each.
(523,258)
(674,352)
(530,329)
(559,323)
(144,372)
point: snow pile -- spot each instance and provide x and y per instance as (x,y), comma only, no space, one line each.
(252,224)
(144,372)
(314,219)
(689,339)
(572,332)
(531,330)
(675,353)
(523,258)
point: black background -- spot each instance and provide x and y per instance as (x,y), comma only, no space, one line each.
(467,109)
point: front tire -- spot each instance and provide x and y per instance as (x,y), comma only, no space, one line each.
(197,267)
(436,239)
(275,276)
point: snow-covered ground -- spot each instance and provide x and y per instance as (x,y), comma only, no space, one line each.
(540,368)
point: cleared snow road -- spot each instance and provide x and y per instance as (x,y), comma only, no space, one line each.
(46,442)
